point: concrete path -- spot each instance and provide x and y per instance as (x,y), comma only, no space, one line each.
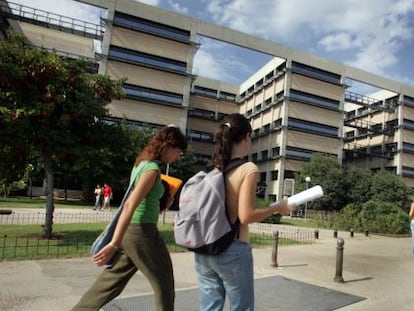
(377,268)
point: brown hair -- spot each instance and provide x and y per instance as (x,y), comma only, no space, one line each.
(169,136)
(234,129)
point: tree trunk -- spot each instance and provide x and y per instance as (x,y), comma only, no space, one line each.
(50,206)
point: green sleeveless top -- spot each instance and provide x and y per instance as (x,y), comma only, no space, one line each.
(148,210)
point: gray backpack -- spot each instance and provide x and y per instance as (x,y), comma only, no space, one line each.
(202,223)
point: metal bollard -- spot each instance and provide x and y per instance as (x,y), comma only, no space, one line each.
(339,260)
(335,234)
(316,234)
(274,248)
(351,233)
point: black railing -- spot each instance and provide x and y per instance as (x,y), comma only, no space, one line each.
(34,247)
(52,20)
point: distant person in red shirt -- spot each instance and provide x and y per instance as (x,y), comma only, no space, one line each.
(107,193)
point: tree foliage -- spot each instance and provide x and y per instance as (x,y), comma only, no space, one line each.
(52,105)
(324,170)
(387,187)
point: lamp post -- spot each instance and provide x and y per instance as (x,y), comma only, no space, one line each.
(307,180)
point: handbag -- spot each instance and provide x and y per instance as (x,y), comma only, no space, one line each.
(106,236)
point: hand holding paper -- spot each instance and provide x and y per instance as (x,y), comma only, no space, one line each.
(308,195)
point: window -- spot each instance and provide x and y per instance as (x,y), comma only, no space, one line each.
(227,96)
(277,124)
(205,91)
(275,152)
(201,113)
(146,59)
(254,157)
(298,153)
(312,127)
(162,97)
(314,100)
(200,136)
(270,75)
(264,154)
(144,25)
(391,148)
(408,124)
(257,107)
(350,134)
(408,171)
(409,100)
(408,147)
(274,175)
(316,73)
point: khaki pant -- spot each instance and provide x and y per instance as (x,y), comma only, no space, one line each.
(142,248)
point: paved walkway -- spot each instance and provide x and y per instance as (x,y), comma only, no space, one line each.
(379,269)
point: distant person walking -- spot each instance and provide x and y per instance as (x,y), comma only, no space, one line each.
(107,193)
(98,197)
(412,226)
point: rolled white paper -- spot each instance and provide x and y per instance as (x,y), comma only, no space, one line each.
(305,196)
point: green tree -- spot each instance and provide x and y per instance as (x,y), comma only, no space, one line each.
(324,170)
(52,103)
(387,187)
(358,182)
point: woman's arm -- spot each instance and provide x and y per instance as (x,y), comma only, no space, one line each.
(248,213)
(411,214)
(145,183)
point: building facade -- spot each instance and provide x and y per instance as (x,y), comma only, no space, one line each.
(298,104)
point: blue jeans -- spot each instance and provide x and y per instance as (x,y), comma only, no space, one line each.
(412,234)
(231,273)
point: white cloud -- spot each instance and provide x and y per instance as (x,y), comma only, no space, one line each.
(178,7)
(150,2)
(369,34)
(218,61)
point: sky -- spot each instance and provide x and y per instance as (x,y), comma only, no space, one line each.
(373,35)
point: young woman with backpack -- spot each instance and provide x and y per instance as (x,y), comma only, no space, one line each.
(137,243)
(231,271)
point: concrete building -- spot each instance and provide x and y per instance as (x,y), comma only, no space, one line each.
(298,103)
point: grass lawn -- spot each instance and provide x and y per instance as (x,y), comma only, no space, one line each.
(18,242)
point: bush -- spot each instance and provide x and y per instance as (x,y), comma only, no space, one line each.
(377,217)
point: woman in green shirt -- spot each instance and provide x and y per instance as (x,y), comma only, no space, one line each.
(136,240)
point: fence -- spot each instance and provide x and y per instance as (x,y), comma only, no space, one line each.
(34,247)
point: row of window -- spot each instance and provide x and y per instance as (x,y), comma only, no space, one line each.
(316,73)
(314,100)
(275,73)
(407,171)
(408,100)
(200,136)
(408,147)
(139,58)
(206,114)
(204,91)
(268,103)
(151,95)
(312,127)
(143,25)
(408,124)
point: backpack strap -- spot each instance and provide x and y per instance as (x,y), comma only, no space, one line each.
(233,164)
